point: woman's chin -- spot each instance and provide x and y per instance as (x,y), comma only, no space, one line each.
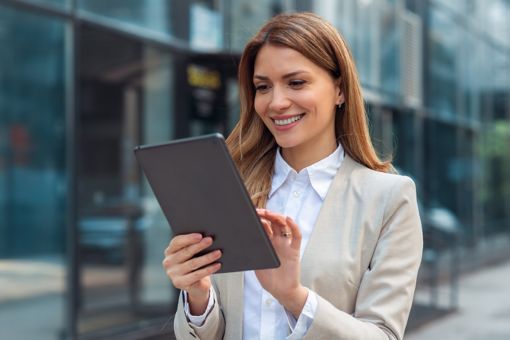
(287,143)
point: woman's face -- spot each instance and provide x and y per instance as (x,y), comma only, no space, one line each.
(296,100)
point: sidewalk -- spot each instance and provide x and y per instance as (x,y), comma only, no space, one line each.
(483,313)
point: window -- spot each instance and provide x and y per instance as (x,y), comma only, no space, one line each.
(33,190)
(126,99)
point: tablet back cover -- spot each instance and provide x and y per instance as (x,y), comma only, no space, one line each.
(200,190)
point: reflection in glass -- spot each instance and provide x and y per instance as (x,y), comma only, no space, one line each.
(33,189)
(244,18)
(125,101)
(153,15)
(61,4)
(364,51)
(440,157)
(389,41)
(442,70)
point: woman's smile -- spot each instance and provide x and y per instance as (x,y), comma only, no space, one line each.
(286,122)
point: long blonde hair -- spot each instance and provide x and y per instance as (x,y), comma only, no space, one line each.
(252,145)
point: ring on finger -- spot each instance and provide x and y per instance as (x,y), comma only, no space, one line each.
(286,234)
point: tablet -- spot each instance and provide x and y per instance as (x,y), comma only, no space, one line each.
(200,190)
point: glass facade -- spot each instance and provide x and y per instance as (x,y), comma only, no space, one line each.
(154,16)
(465,74)
(82,82)
(33,173)
(57,4)
(127,101)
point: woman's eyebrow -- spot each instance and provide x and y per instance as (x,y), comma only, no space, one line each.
(285,76)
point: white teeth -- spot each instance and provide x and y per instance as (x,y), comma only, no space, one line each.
(281,122)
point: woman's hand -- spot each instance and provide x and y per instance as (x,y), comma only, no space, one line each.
(283,282)
(192,274)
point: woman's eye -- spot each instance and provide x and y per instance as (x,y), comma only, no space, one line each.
(261,87)
(296,83)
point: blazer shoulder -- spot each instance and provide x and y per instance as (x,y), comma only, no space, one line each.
(380,181)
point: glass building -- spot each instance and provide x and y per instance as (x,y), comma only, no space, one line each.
(84,81)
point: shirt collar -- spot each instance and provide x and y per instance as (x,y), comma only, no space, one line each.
(281,171)
(320,173)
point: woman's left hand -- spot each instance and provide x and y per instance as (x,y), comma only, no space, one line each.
(283,282)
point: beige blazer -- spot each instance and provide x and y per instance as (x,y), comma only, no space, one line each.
(362,260)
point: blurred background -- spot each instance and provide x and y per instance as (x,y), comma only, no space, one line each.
(84,81)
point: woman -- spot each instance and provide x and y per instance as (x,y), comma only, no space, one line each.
(347,232)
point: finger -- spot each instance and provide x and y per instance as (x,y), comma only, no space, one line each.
(190,251)
(178,271)
(202,261)
(184,254)
(275,218)
(281,225)
(296,233)
(181,241)
(267,227)
(187,280)
(261,211)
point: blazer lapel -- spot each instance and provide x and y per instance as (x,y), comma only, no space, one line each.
(325,225)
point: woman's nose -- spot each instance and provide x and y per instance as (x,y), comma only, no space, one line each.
(279,101)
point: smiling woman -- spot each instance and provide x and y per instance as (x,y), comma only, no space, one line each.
(319,46)
(347,231)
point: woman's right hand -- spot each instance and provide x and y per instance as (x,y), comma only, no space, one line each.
(192,274)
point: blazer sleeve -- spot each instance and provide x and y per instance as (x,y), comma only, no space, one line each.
(212,329)
(386,290)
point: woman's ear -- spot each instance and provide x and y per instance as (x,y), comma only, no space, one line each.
(340,99)
(340,95)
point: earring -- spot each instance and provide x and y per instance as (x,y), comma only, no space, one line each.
(340,105)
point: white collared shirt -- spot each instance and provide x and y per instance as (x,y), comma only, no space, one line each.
(299,196)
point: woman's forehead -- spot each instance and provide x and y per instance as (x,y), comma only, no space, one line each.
(280,58)
(281,62)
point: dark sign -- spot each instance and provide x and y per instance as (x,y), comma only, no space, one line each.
(207,92)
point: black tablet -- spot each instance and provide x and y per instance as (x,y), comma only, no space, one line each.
(200,190)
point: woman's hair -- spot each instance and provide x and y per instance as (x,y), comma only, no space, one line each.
(252,145)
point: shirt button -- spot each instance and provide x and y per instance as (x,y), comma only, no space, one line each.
(296,194)
(269,302)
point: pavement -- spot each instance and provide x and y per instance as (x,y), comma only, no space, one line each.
(24,279)
(483,310)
